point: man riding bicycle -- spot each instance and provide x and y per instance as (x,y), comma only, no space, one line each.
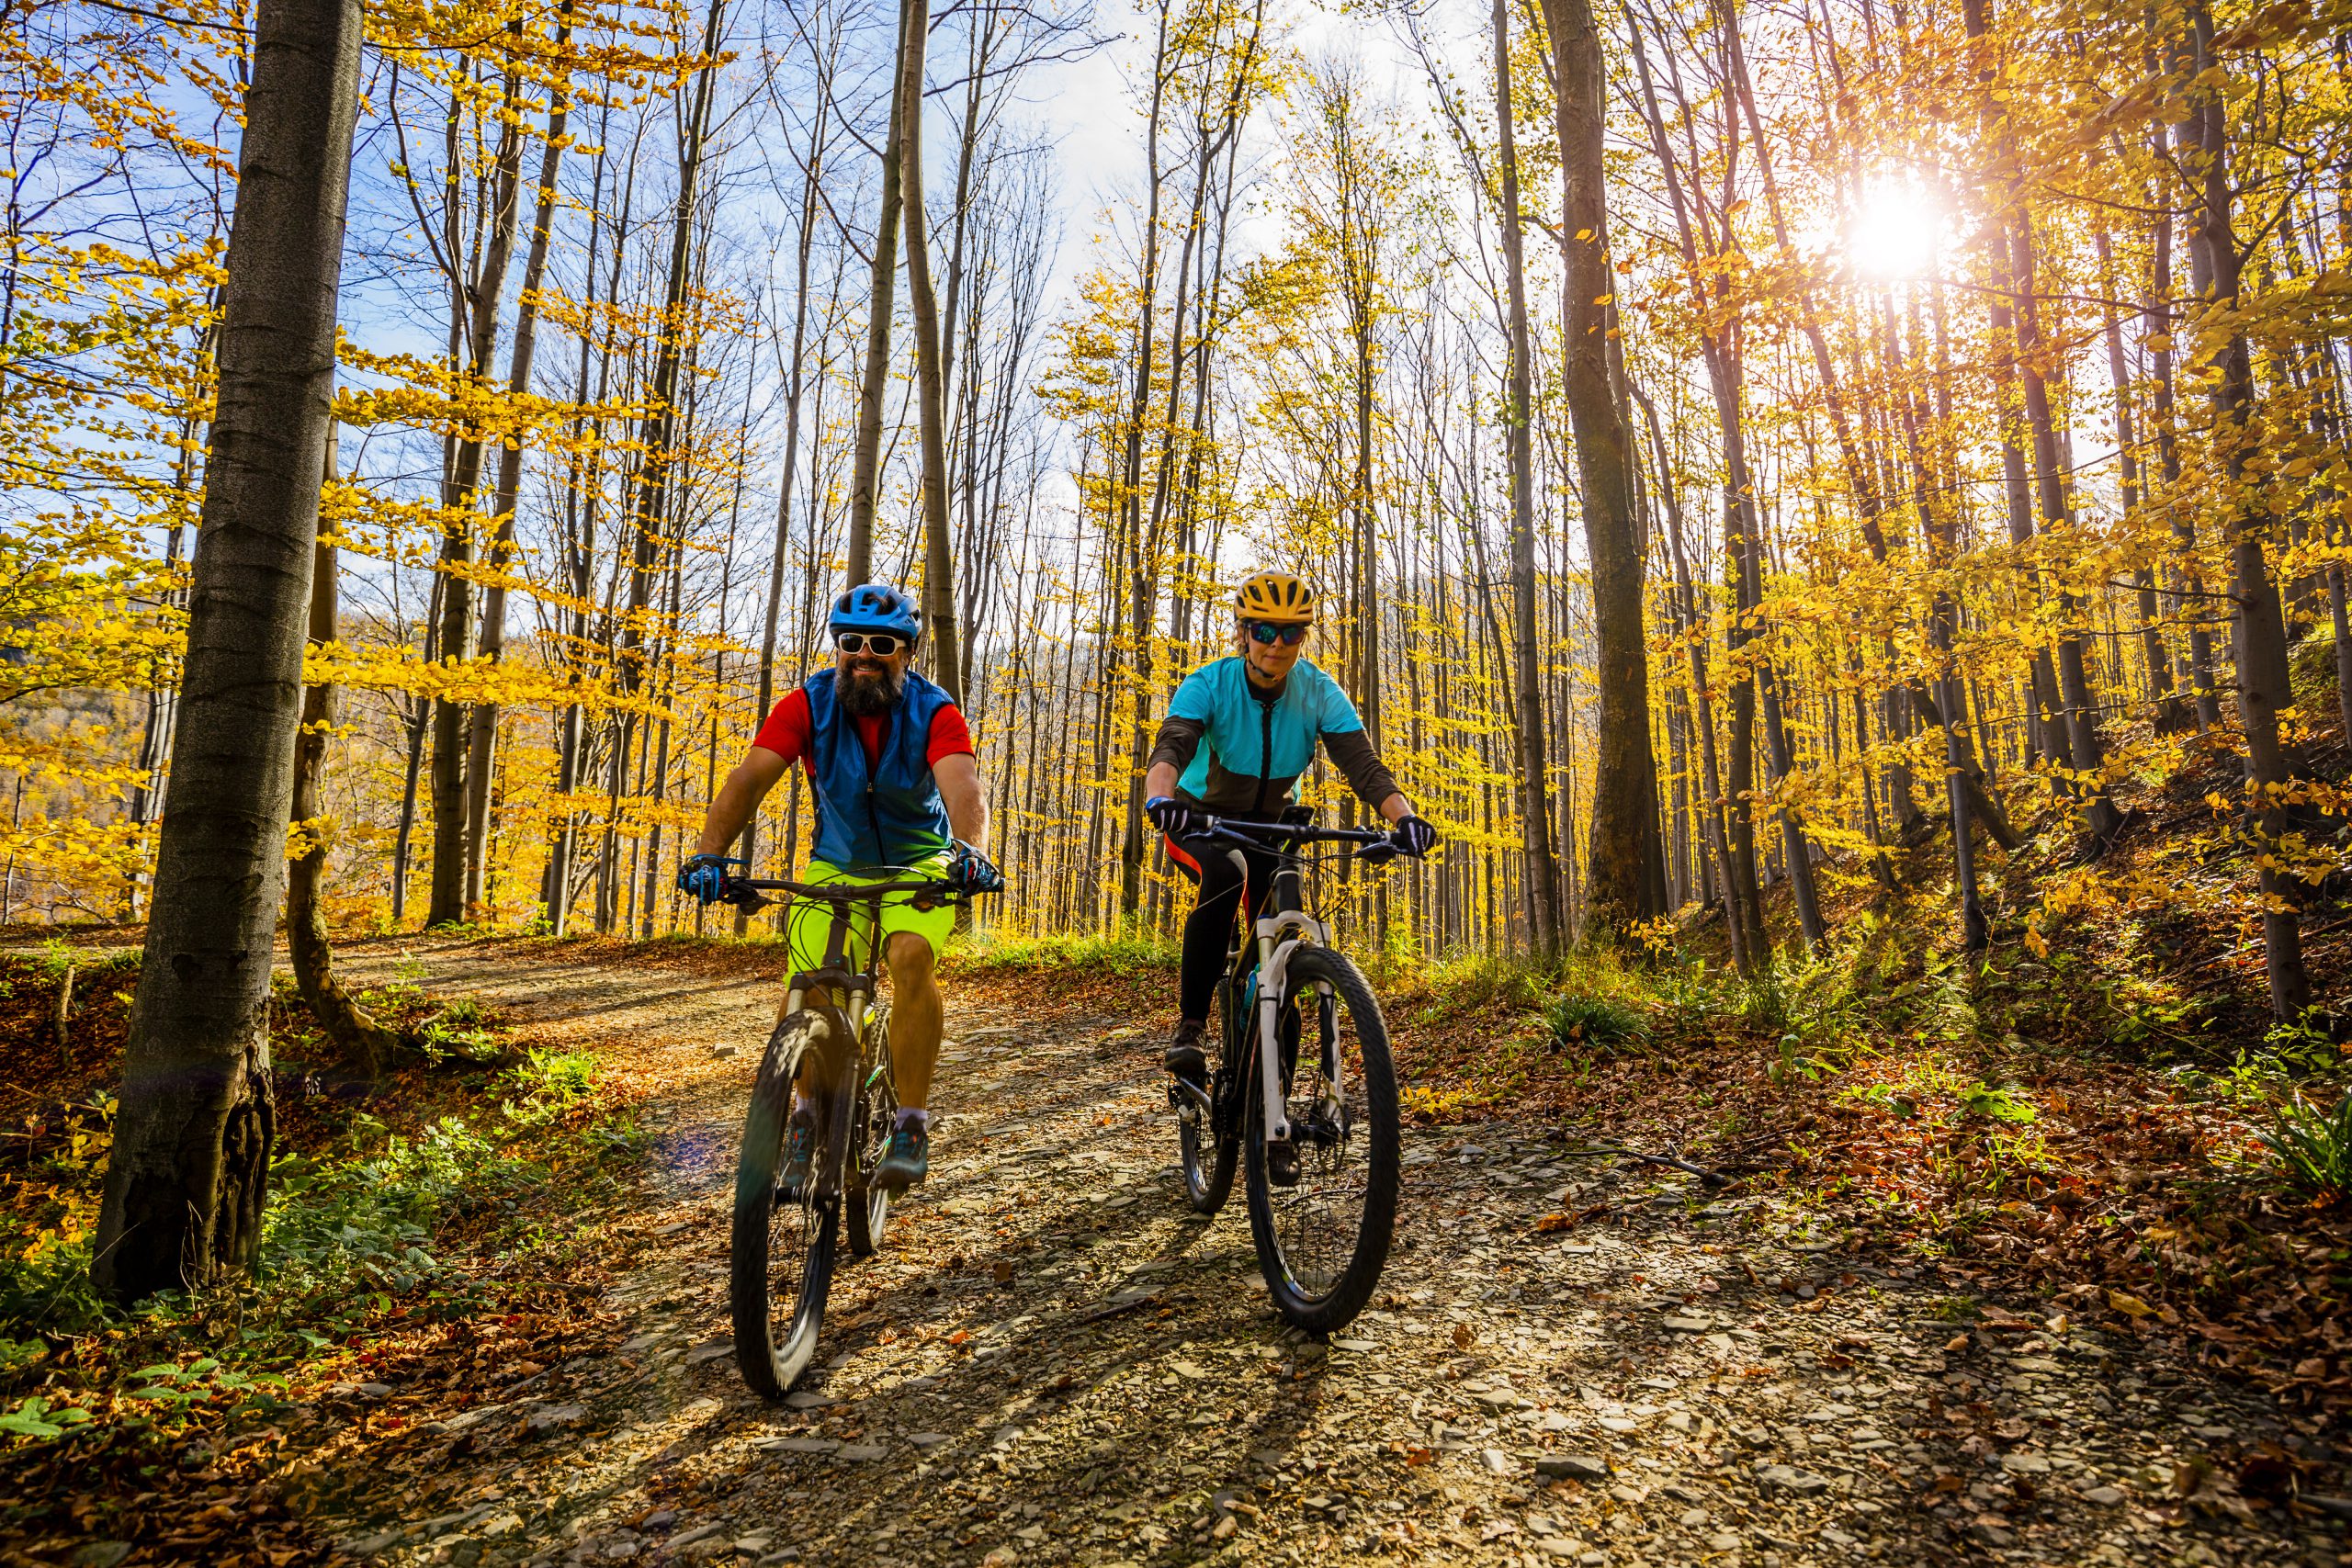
(1260,714)
(897,788)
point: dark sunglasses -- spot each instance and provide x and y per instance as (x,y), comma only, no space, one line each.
(882,643)
(1270,633)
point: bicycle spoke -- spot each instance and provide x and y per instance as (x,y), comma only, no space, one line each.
(792,1234)
(781,1255)
(1319,1218)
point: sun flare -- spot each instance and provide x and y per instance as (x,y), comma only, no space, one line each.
(1892,234)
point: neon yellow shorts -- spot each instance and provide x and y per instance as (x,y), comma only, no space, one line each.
(811,922)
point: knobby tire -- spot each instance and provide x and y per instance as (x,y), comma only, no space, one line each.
(1335,1303)
(778,1303)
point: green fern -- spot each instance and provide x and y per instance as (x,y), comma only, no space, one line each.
(1588,1021)
(2315,1144)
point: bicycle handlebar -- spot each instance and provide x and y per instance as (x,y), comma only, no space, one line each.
(743,892)
(1378,845)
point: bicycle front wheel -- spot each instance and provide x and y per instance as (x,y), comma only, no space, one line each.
(781,1263)
(1322,1212)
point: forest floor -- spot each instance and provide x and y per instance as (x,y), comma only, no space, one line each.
(1572,1359)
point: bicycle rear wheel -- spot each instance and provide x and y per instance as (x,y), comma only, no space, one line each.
(781,1263)
(1208,1142)
(866,1207)
(1323,1238)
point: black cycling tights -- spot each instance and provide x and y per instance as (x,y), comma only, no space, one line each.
(1208,930)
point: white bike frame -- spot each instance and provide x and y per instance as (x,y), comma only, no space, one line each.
(1278,936)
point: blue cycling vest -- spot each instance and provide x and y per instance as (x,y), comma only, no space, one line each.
(889,814)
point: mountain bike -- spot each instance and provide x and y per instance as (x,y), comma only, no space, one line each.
(833,1037)
(1316,1114)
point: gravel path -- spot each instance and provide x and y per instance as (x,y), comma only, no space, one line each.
(1055,1361)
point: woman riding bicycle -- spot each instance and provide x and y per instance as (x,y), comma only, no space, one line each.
(1260,714)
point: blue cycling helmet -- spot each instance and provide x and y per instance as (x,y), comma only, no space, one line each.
(877,607)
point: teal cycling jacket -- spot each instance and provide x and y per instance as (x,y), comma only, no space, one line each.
(1241,750)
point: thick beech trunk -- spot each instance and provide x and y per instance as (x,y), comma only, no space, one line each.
(186,1177)
(1625,835)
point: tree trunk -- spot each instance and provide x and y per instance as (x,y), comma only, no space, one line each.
(449,739)
(1748,944)
(1623,831)
(2257,626)
(482,740)
(365,1042)
(1535,810)
(931,389)
(2203,694)
(1130,547)
(2133,492)
(649,513)
(579,536)
(796,387)
(186,1177)
(866,473)
(2088,782)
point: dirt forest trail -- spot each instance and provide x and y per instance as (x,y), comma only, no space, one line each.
(1054,1361)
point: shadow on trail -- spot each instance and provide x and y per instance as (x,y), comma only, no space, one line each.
(1096,1377)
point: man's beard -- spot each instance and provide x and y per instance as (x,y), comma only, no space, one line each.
(870,692)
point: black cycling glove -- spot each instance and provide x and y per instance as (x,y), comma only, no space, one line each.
(1412,836)
(1171,815)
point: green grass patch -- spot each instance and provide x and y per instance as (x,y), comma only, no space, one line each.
(2313,1145)
(1580,1022)
(1063,954)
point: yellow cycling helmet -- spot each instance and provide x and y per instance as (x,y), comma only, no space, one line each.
(1277,596)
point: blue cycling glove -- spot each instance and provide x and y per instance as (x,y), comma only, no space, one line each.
(705,877)
(1412,836)
(971,871)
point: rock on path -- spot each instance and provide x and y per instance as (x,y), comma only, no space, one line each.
(1054,1361)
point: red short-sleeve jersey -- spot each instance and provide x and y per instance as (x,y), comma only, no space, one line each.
(790,725)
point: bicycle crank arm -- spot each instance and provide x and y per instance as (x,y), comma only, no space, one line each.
(1182,1095)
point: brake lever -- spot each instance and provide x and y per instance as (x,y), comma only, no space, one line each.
(747,899)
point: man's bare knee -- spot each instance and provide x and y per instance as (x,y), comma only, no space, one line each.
(911,958)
